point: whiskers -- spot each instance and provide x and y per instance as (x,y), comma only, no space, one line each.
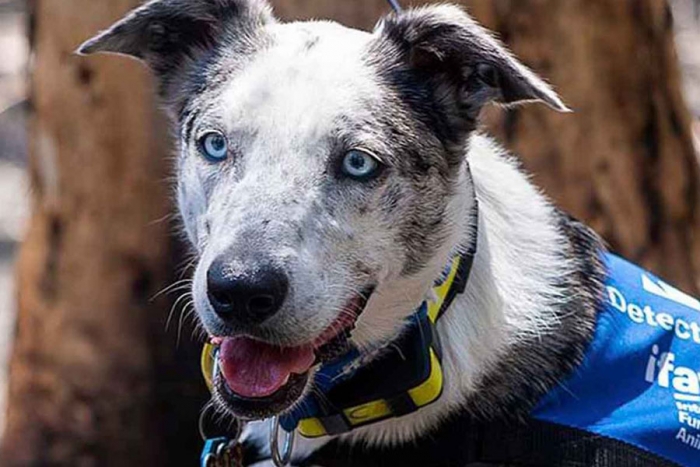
(172,288)
(183,308)
(221,418)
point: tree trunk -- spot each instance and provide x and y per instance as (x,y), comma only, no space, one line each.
(624,161)
(94,379)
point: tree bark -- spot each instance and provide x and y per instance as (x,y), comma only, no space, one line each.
(94,380)
(624,162)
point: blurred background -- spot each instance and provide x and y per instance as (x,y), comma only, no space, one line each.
(95,376)
(14,186)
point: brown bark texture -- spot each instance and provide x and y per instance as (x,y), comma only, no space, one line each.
(96,381)
(94,378)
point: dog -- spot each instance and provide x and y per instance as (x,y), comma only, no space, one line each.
(327,179)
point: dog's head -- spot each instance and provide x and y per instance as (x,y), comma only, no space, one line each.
(321,171)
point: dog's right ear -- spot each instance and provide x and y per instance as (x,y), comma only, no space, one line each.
(444,42)
(440,54)
(167,33)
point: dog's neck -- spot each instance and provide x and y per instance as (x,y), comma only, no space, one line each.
(518,304)
(514,301)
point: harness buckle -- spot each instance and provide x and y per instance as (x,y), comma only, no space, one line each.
(284,457)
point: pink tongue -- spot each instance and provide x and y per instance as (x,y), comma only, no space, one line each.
(254,369)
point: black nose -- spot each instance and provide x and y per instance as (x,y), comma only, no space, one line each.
(247,297)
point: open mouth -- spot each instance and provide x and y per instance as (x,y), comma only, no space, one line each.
(258,380)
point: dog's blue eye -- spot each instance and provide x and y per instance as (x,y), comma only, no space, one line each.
(359,164)
(214,146)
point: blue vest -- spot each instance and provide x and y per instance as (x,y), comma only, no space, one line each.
(640,379)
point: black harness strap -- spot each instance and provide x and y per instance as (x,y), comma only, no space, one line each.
(461,443)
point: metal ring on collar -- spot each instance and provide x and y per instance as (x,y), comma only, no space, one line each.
(208,408)
(284,457)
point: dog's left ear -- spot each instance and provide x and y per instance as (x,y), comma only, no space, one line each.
(172,35)
(463,64)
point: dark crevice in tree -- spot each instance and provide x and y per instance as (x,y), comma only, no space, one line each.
(50,279)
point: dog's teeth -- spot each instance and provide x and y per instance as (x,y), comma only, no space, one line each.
(216,340)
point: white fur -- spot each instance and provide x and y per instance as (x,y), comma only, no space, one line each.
(281,121)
